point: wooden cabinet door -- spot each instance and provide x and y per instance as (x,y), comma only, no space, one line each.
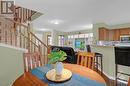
(116,35)
(103,34)
(111,35)
(124,31)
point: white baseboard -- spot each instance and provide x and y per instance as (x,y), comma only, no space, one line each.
(110,77)
(113,78)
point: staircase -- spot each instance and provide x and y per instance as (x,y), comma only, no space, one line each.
(21,14)
(16,31)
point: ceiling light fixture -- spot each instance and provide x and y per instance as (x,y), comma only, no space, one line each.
(56,22)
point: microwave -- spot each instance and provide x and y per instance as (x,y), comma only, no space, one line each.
(125,38)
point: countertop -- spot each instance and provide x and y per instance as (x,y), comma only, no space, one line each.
(102,46)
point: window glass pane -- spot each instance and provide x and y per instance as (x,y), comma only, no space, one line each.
(49,40)
(68,36)
(61,40)
(86,35)
(81,35)
(71,36)
(91,34)
(76,36)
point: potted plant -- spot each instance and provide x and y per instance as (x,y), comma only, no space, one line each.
(56,57)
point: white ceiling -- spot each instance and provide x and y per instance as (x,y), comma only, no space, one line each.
(77,14)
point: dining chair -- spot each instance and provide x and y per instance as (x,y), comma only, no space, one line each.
(32,60)
(86,59)
(129,82)
(98,60)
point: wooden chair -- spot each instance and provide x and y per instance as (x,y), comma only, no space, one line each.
(129,82)
(98,59)
(32,60)
(86,59)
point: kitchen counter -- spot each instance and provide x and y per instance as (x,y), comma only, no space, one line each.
(102,45)
(108,59)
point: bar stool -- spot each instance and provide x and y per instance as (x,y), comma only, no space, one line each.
(98,56)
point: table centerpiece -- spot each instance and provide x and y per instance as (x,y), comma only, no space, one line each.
(56,57)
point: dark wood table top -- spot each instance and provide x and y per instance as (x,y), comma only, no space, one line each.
(27,79)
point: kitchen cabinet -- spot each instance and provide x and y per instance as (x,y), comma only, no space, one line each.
(116,35)
(103,34)
(124,31)
(112,34)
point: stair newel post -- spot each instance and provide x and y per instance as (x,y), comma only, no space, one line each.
(15,31)
(24,38)
(20,36)
(28,31)
(10,36)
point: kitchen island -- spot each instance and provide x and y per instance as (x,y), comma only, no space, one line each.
(109,60)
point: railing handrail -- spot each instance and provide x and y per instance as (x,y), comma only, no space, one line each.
(28,39)
(27,27)
(25,14)
(38,39)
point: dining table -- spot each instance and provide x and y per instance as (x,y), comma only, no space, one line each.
(81,76)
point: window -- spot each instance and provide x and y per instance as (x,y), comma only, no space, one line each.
(87,38)
(71,36)
(76,36)
(61,40)
(81,36)
(49,40)
(86,35)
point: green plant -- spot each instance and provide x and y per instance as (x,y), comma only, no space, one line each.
(56,56)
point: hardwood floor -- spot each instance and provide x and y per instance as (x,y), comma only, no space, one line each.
(109,81)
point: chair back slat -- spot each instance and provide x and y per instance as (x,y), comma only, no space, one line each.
(32,60)
(86,59)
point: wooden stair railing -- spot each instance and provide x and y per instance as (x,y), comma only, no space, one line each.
(41,46)
(19,14)
(21,36)
(23,14)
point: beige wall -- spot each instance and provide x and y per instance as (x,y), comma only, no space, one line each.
(11,65)
(55,35)
(44,37)
(108,59)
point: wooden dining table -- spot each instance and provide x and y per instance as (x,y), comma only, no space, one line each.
(28,79)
